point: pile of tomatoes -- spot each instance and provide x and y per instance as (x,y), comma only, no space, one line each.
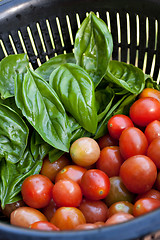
(103,182)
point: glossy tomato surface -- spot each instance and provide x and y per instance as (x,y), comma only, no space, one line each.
(95,184)
(145,205)
(117,124)
(44,226)
(106,141)
(150,92)
(119,218)
(152,130)
(37,191)
(132,142)
(138,173)
(153,151)
(145,110)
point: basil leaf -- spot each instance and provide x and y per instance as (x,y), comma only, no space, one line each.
(55,154)
(76,91)
(126,76)
(150,83)
(47,68)
(10,102)
(39,148)
(93,47)
(13,134)
(41,106)
(8,68)
(13,175)
(125,105)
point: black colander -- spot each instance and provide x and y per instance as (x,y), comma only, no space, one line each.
(45,28)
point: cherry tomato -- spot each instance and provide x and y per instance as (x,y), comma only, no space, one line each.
(25,216)
(110,161)
(50,170)
(145,205)
(122,206)
(145,110)
(72,172)
(132,142)
(154,151)
(86,226)
(152,193)
(85,151)
(95,184)
(94,211)
(49,210)
(117,124)
(106,141)
(37,191)
(9,208)
(152,130)
(150,92)
(67,218)
(67,193)
(119,218)
(44,226)
(118,192)
(138,173)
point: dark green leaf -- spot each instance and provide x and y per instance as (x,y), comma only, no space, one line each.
(150,83)
(126,76)
(8,67)
(41,106)
(76,91)
(13,175)
(125,105)
(13,134)
(93,47)
(47,68)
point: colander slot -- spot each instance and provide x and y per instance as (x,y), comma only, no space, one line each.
(70,30)
(42,40)
(128,37)
(114,32)
(50,34)
(123,31)
(137,40)
(119,35)
(4,51)
(78,20)
(13,45)
(108,21)
(133,38)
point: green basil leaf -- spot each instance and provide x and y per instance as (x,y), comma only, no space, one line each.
(150,83)
(13,175)
(10,102)
(102,126)
(41,106)
(47,68)
(126,76)
(76,91)
(13,134)
(93,47)
(8,68)
(39,148)
(125,105)
(55,154)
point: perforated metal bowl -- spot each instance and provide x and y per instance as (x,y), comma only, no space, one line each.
(45,28)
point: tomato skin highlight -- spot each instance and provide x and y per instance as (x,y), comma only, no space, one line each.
(117,124)
(95,184)
(37,191)
(154,151)
(145,205)
(138,173)
(145,110)
(119,218)
(132,142)
(44,226)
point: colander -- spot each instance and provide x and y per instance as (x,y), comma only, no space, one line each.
(46,28)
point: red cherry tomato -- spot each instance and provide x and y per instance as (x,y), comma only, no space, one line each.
(95,184)
(86,226)
(152,130)
(145,205)
(85,151)
(154,151)
(49,210)
(150,92)
(106,141)
(72,172)
(132,142)
(119,218)
(67,193)
(67,218)
(152,193)
(44,226)
(145,110)
(110,161)
(138,173)
(37,191)
(117,124)
(25,216)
